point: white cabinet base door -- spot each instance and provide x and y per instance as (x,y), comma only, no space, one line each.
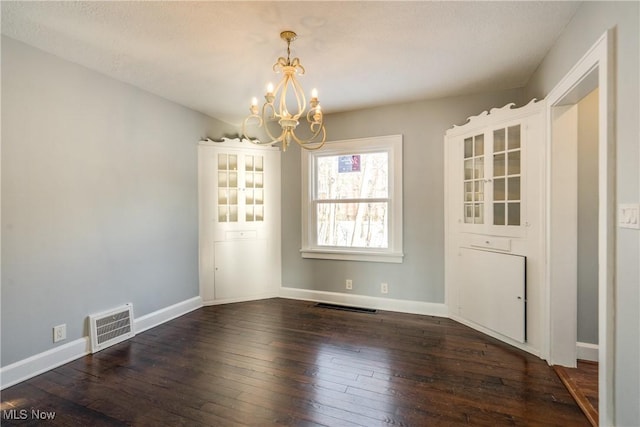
(493,291)
(242,270)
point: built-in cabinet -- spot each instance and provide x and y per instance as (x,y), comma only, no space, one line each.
(494,223)
(239,204)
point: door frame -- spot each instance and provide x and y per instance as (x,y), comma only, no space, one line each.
(600,59)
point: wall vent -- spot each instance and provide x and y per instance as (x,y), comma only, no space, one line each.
(111,327)
(346,308)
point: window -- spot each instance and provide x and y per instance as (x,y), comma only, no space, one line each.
(352,200)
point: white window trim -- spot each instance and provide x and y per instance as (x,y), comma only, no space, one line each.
(393,254)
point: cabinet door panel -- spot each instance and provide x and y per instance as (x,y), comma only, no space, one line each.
(492,291)
(241,268)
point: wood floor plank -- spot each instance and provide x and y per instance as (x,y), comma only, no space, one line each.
(579,385)
(286,362)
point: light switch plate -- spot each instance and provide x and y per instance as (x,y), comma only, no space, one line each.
(628,215)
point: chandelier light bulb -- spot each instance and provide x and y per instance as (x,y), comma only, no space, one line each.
(270,88)
(317,116)
(314,93)
(254,106)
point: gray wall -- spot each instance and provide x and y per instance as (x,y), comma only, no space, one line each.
(591,20)
(588,219)
(99,198)
(421,276)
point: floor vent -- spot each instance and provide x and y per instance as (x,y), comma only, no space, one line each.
(345,308)
(111,327)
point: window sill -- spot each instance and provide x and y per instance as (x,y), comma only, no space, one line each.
(342,255)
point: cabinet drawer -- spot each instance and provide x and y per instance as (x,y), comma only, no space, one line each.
(490,242)
(238,235)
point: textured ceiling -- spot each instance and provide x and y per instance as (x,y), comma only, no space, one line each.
(214,56)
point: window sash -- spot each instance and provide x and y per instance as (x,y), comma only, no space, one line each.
(356,231)
(369,166)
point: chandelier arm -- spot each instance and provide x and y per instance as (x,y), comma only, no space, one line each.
(319,127)
(273,138)
(277,93)
(247,120)
(288,82)
(266,124)
(274,114)
(282,101)
(311,117)
(300,98)
(309,144)
(260,123)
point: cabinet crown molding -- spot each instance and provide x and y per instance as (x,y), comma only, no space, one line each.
(244,143)
(494,115)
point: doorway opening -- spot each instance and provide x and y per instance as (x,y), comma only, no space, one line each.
(567,261)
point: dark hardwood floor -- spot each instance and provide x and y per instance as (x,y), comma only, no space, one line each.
(582,383)
(285,362)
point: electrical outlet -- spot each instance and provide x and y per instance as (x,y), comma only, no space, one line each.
(384,288)
(349,284)
(59,333)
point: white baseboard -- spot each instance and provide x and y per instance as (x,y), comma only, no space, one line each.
(402,306)
(163,315)
(522,346)
(40,363)
(37,364)
(241,299)
(586,351)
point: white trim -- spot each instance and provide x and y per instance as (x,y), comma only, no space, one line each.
(392,144)
(500,337)
(401,306)
(352,255)
(40,363)
(239,143)
(241,299)
(587,351)
(600,56)
(163,315)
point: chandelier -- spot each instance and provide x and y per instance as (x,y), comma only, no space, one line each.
(286,105)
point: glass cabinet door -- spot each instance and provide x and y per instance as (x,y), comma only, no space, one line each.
(506,176)
(254,188)
(240,188)
(474,176)
(227,187)
(492,193)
